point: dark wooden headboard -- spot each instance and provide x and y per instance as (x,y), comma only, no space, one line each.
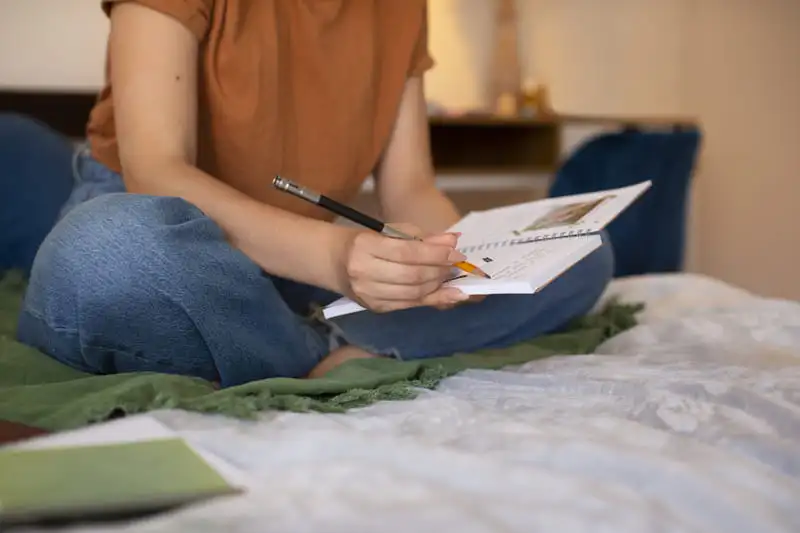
(459,145)
(67,112)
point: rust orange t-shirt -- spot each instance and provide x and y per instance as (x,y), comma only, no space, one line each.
(308,89)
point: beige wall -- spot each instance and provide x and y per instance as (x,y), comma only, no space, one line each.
(743,80)
(56,44)
(613,56)
(734,63)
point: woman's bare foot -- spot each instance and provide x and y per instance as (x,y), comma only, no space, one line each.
(336,358)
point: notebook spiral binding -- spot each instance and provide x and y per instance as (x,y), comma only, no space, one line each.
(523,240)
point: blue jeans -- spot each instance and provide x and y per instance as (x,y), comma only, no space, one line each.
(129,283)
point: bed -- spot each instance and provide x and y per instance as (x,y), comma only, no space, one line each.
(689,421)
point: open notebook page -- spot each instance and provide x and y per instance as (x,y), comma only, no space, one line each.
(520,269)
(523,268)
(546,218)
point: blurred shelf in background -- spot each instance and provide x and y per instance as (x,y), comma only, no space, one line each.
(481,160)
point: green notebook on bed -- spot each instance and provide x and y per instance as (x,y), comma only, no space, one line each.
(103,481)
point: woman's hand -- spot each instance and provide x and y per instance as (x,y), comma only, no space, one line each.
(386,274)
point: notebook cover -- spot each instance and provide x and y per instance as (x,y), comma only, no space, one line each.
(81,482)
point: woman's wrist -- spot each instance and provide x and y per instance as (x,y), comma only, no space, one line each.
(340,243)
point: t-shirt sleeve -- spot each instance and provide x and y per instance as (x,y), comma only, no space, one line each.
(194,14)
(421,60)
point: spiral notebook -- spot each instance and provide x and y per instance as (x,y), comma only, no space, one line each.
(523,247)
(546,219)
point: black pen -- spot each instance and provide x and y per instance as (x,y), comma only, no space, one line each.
(351,214)
(335,207)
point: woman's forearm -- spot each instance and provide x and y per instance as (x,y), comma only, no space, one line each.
(426,207)
(281,243)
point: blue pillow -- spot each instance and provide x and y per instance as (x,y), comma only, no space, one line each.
(649,237)
(35,181)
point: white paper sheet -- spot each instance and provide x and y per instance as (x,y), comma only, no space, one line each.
(526,262)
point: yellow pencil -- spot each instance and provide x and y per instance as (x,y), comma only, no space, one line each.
(351,214)
(466,266)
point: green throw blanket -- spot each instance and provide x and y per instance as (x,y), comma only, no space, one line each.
(37,391)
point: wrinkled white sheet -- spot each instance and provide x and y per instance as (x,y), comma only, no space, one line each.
(688,422)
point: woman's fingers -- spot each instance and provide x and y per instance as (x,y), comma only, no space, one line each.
(381,271)
(443,239)
(397,292)
(445,298)
(394,298)
(390,274)
(417,252)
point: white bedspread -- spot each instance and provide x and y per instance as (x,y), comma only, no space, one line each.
(688,422)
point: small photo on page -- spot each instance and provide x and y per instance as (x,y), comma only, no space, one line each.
(564,215)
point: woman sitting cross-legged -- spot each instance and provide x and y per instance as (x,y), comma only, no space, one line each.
(175,254)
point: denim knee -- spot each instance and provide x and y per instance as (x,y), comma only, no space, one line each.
(599,267)
(106,293)
(580,288)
